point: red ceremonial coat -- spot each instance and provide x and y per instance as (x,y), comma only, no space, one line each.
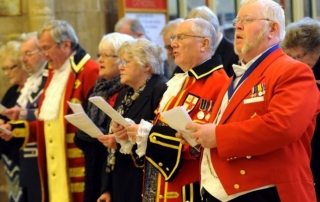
(82,78)
(267,141)
(179,168)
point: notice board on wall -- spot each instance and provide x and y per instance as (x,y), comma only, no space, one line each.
(152,23)
(153,14)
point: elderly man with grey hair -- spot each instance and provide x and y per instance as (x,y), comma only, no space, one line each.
(256,146)
(166,33)
(130,26)
(223,47)
(72,73)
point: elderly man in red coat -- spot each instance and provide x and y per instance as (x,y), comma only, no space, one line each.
(72,74)
(257,147)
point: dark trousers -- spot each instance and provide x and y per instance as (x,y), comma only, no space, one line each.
(263,195)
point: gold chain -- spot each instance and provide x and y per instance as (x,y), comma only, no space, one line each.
(208,162)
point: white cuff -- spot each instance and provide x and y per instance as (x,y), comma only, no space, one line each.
(126,145)
(142,137)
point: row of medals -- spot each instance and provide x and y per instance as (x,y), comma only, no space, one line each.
(205,108)
(258,90)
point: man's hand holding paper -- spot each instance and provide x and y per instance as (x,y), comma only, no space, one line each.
(192,133)
(177,118)
(203,134)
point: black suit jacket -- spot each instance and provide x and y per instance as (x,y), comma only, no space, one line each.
(228,56)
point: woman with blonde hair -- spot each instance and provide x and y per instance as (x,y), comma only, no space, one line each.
(141,69)
(12,68)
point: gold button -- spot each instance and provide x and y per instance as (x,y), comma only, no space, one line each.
(160,196)
(154,137)
(236,186)
(248,157)
(242,172)
(160,164)
(167,169)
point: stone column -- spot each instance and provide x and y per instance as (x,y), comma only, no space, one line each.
(39,12)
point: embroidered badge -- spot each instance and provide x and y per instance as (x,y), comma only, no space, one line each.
(190,102)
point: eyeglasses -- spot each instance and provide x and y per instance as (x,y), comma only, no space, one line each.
(29,53)
(180,37)
(104,56)
(247,19)
(46,51)
(122,62)
(6,69)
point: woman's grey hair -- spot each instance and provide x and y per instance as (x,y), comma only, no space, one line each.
(113,41)
(11,51)
(205,13)
(304,33)
(272,11)
(201,27)
(144,52)
(60,31)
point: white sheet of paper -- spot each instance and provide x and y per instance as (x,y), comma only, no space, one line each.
(177,118)
(106,108)
(3,130)
(2,108)
(75,107)
(84,123)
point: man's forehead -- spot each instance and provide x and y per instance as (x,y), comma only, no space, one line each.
(183,28)
(45,39)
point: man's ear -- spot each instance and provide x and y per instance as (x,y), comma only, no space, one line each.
(205,44)
(66,44)
(274,29)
